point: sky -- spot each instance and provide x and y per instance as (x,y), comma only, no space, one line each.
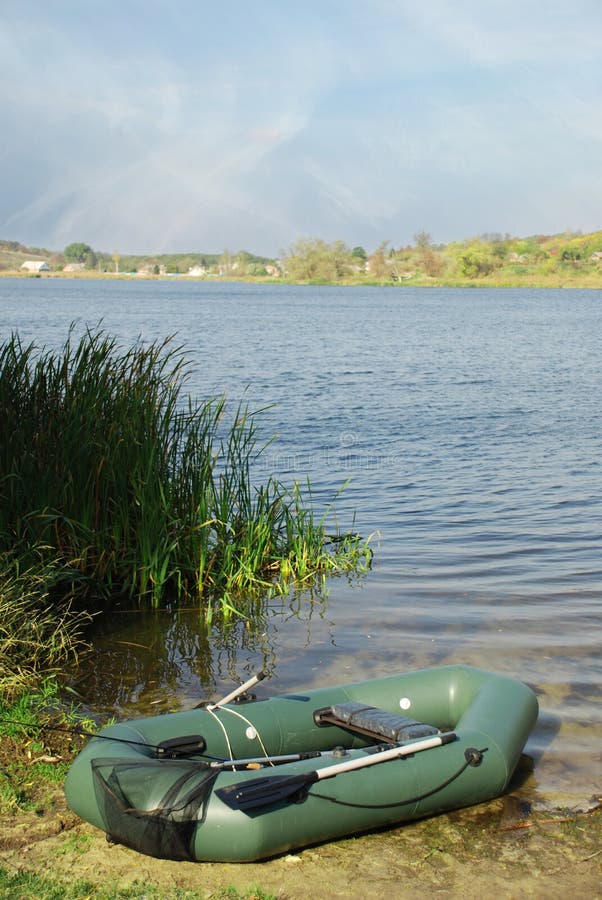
(157,126)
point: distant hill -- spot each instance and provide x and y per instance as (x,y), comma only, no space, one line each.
(13,255)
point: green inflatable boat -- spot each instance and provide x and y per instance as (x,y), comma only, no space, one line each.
(244,778)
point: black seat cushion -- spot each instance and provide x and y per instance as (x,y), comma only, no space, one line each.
(374,722)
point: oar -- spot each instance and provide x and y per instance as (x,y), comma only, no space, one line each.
(236,692)
(256,762)
(245,795)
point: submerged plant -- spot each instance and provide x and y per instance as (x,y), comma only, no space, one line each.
(132,488)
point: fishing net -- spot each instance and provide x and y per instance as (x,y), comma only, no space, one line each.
(153,806)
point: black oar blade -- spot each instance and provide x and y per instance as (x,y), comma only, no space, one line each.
(257,792)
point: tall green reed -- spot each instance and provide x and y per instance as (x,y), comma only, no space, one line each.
(140,490)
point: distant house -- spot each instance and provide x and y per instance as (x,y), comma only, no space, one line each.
(74,267)
(148,269)
(35,265)
(597,256)
(197,271)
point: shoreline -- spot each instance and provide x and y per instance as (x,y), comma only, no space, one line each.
(506,847)
(489,850)
(590,282)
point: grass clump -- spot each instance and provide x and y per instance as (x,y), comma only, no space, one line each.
(39,632)
(39,735)
(30,886)
(117,484)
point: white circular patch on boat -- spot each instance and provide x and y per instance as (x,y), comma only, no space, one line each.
(405,702)
(251,733)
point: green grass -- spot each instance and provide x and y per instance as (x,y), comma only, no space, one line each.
(39,632)
(113,482)
(30,886)
(38,737)
(28,793)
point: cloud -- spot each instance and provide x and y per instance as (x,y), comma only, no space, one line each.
(502,33)
(248,126)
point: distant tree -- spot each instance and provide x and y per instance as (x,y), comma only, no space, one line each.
(226,263)
(500,249)
(256,269)
(476,261)
(429,258)
(243,260)
(80,253)
(377,263)
(524,247)
(432,262)
(312,259)
(423,240)
(571,253)
(491,237)
(341,258)
(359,253)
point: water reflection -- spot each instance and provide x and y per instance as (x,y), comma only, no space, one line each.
(145,661)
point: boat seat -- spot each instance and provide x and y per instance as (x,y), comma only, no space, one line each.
(373,722)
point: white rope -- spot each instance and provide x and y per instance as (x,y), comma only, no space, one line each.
(235,712)
(223,727)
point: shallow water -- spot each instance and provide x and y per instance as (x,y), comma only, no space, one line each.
(469,422)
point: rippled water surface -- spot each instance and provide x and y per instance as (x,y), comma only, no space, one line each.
(469,422)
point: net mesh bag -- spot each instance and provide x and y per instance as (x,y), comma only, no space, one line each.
(153,806)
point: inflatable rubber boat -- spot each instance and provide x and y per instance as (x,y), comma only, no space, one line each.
(243,779)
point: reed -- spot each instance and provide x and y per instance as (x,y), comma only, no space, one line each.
(38,631)
(134,488)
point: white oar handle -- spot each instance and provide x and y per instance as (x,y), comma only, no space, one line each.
(237,691)
(384,755)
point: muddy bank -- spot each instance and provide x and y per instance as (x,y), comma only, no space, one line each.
(502,848)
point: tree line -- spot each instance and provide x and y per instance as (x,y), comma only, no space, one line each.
(492,256)
(488,255)
(226,263)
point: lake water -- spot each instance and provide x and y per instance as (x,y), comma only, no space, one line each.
(470,424)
